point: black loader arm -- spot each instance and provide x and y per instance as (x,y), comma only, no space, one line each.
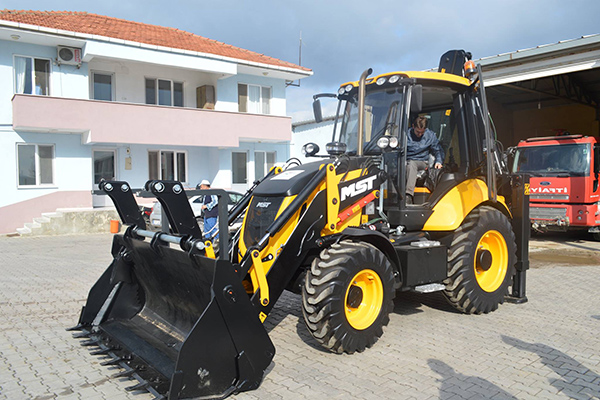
(122,196)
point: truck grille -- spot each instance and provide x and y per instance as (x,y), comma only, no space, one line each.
(549,197)
(547,213)
(261,214)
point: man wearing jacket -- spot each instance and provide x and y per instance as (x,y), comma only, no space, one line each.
(211,212)
(421,142)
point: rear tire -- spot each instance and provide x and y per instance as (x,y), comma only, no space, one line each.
(481,262)
(347,296)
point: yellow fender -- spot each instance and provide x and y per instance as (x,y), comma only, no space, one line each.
(451,210)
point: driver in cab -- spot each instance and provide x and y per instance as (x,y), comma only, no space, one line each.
(421,142)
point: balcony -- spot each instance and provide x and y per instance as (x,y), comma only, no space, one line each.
(127,123)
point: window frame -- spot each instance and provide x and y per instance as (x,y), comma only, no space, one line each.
(245,153)
(260,101)
(156,92)
(32,74)
(112,84)
(176,171)
(265,162)
(38,183)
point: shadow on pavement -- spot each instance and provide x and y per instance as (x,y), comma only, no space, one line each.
(456,385)
(569,369)
(408,303)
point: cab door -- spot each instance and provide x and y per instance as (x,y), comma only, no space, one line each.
(481,134)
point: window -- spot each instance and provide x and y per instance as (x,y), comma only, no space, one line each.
(254,99)
(102,86)
(167,165)
(35,164)
(164,92)
(263,162)
(238,168)
(104,165)
(32,75)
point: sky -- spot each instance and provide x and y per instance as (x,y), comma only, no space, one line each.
(340,39)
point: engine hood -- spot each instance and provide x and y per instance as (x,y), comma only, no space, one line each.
(291,181)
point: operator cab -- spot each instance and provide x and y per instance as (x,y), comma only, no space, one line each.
(454,110)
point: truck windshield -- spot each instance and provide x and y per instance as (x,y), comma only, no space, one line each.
(554,160)
(382,117)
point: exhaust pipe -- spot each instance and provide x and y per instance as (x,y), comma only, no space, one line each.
(361,109)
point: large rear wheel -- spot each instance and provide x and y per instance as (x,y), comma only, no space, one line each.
(347,296)
(481,262)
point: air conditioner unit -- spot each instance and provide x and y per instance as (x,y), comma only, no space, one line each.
(68,55)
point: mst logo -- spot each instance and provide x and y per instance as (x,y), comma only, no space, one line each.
(356,188)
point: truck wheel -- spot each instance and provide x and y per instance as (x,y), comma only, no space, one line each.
(481,262)
(347,296)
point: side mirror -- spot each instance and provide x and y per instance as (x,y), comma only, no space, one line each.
(317,111)
(310,149)
(416,99)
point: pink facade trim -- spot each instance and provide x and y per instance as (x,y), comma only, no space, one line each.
(113,122)
(16,215)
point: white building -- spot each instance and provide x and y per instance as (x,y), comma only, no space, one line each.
(85,97)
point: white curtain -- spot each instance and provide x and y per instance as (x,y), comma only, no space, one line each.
(254,99)
(20,73)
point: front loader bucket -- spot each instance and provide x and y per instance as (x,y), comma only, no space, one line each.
(180,322)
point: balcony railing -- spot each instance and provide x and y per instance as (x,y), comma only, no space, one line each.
(128,123)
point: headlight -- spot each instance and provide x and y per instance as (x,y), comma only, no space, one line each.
(394,78)
(341,90)
(383,142)
(394,142)
(349,87)
(381,81)
(310,149)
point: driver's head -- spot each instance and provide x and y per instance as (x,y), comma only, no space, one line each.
(419,125)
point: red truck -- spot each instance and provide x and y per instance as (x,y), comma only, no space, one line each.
(564,191)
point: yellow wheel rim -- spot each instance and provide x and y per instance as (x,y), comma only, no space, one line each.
(491,261)
(363,300)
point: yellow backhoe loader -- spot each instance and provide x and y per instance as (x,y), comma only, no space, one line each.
(186,320)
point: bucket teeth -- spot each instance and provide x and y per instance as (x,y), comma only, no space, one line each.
(83,334)
(101,352)
(124,374)
(77,327)
(140,386)
(114,361)
(91,342)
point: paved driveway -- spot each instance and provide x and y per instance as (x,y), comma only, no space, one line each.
(546,348)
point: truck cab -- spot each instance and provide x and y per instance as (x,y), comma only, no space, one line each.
(564,189)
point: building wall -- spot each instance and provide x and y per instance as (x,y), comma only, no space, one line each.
(65,80)
(129,79)
(228,92)
(72,165)
(576,119)
(504,122)
(73,162)
(321,134)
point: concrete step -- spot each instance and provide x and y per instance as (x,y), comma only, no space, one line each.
(23,231)
(70,221)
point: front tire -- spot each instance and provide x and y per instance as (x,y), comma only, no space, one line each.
(348,296)
(481,262)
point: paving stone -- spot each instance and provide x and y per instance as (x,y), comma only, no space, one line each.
(547,348)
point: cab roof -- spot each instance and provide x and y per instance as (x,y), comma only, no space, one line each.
(419,75)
